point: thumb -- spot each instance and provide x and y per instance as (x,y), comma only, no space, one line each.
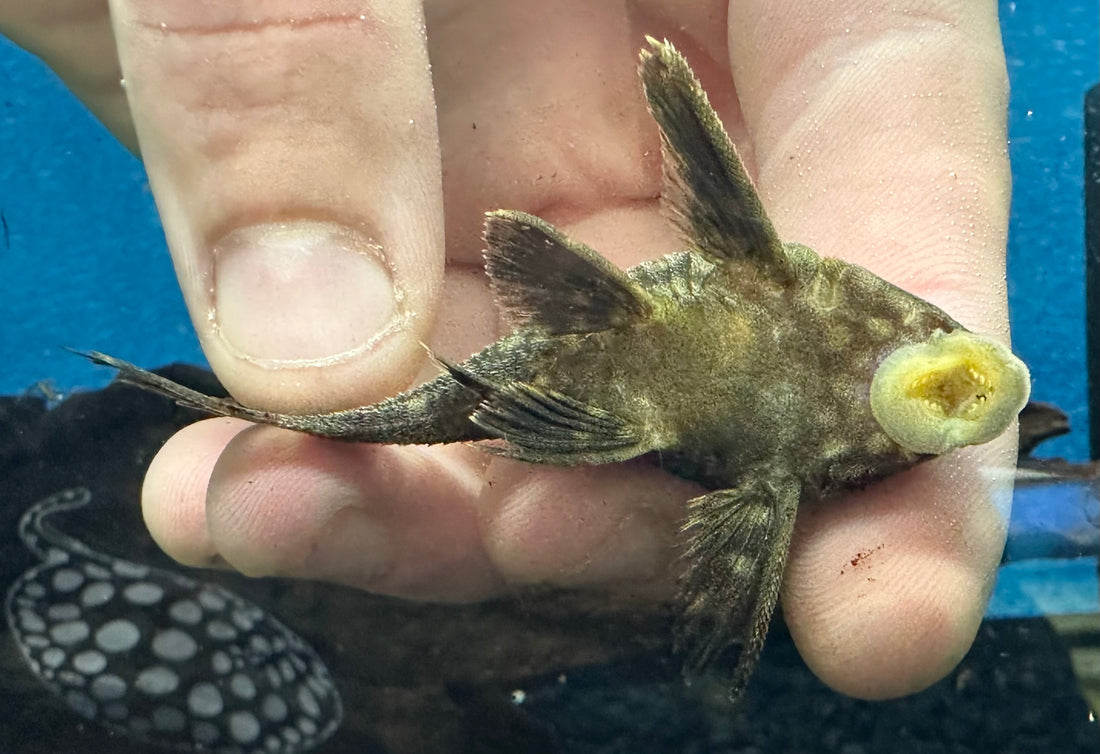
(294,158)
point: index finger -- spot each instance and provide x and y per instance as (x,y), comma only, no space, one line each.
(293,154)
(879,137)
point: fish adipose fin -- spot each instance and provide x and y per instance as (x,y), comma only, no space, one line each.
(706,190)
(542,425)
(542,278)
(737,548)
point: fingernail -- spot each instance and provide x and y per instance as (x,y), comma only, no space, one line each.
(300,292)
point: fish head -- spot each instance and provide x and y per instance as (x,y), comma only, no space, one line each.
(930,384)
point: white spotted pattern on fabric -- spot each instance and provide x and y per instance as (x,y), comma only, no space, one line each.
(159,656)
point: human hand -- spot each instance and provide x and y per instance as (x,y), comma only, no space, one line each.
(874,135)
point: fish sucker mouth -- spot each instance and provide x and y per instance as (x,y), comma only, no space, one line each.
(952,390)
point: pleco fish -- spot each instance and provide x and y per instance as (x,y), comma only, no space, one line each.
(161,657)
(755,367)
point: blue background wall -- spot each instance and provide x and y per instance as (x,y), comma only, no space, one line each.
(1053,58)
(83,261)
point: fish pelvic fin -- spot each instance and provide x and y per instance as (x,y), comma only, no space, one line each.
(542,425)
(542,278)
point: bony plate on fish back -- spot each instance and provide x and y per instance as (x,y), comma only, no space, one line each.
(768,374)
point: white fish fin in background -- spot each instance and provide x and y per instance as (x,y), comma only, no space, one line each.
(161,657)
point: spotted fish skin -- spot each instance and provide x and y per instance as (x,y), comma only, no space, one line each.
(162,657)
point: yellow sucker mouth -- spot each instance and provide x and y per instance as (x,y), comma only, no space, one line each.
(952,390)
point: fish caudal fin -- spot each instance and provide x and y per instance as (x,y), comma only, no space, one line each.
(182,395)
(435,412)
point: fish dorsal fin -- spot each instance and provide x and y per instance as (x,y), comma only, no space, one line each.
(706,189)
(540,277)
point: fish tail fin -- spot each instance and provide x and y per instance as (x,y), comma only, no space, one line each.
(181,394)
(436,412)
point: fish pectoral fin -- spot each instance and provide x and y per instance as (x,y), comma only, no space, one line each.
(541,425)
(706,189)
(541,277)
(737,547)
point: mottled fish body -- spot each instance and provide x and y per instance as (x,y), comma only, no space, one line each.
(162,657)
(770,375)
